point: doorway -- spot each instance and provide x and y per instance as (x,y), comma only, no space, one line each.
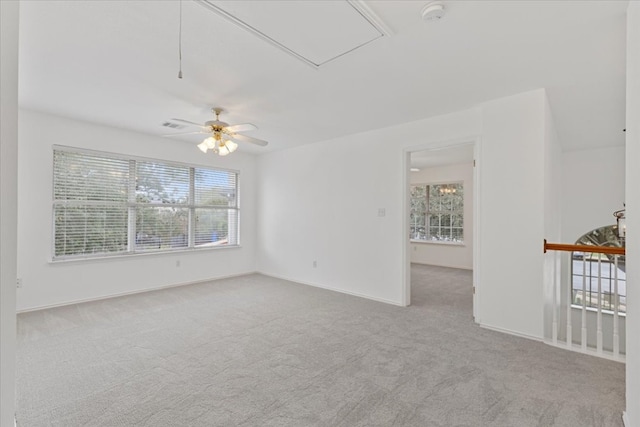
(441,212)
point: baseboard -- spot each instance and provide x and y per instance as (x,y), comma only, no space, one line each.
(139,291)
(457,267)
(328,288)
(510,332)
(576,348)
(625,419)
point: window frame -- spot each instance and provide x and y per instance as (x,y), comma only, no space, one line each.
(132,206)
(427,213)
(591,259)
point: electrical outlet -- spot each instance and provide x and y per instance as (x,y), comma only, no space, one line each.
(177,263)
(315,264)
(415,248)
(19,283)
(382,211)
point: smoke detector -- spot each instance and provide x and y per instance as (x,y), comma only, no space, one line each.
(433,11)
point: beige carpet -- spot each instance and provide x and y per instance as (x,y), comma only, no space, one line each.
(257,351)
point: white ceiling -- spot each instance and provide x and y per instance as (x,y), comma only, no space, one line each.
(116,63)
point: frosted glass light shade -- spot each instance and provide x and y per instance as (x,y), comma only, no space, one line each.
(218,146)
(211,142)
(232,146)
(203,146)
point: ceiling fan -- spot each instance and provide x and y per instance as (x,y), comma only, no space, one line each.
(223,135)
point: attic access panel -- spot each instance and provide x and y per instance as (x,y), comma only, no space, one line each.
(314,31)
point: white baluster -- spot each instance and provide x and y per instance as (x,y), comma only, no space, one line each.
(583,337)
(569,301)
(616,336)
(554,323)
(599,332)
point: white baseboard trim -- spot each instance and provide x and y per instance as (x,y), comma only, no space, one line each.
(139,291)
(457,267)
(625,419)
(329,288)
(510,332)
(590,352)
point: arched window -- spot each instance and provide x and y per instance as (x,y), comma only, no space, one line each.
(589,268)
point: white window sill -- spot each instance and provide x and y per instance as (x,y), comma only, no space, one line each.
(438,242)
(121,256)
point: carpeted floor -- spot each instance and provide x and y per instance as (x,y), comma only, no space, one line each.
(258,351)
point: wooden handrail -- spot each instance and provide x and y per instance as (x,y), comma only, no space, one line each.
(611,250)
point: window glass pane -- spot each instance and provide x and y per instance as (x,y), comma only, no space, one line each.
(445,233)
(442,209)
(434,202)
(215,227)
(80,176)
(161,183)
(160,227)
(215,188)
(97,195)
(457,235)
(418,191)
(84,230)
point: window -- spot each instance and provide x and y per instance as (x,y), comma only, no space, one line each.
(104,204)
(590,268)
(590,271)
(437,212)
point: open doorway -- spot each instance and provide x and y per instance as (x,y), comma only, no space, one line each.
(441,214)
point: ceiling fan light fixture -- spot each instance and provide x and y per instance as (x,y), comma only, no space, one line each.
(203,146)
(222,135)
(232,146)
(226,147)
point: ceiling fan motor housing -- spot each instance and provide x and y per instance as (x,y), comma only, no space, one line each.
(216,124)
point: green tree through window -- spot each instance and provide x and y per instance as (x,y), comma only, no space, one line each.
(437,212)
(106,204)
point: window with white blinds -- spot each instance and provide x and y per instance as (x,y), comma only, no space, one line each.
(105,204)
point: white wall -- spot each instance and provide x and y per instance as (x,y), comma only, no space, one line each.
(46,283)
(592,188)
(512,211)
(553,180)
(448,255)
(633,214)
(320,202)
(9,12)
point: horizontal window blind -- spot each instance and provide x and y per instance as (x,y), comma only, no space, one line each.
(86,177)
(106,204)
(161,183)
(215,188)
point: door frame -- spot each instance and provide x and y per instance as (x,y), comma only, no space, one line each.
(474,140)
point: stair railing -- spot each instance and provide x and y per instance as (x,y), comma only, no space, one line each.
(612,256)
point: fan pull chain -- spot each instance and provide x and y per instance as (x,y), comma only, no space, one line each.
(180,43)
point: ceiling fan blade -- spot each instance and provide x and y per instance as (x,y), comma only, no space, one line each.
(184,133)
(244,138)
(243,127)
(188,122)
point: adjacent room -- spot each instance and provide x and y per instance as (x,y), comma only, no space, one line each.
(320,213)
